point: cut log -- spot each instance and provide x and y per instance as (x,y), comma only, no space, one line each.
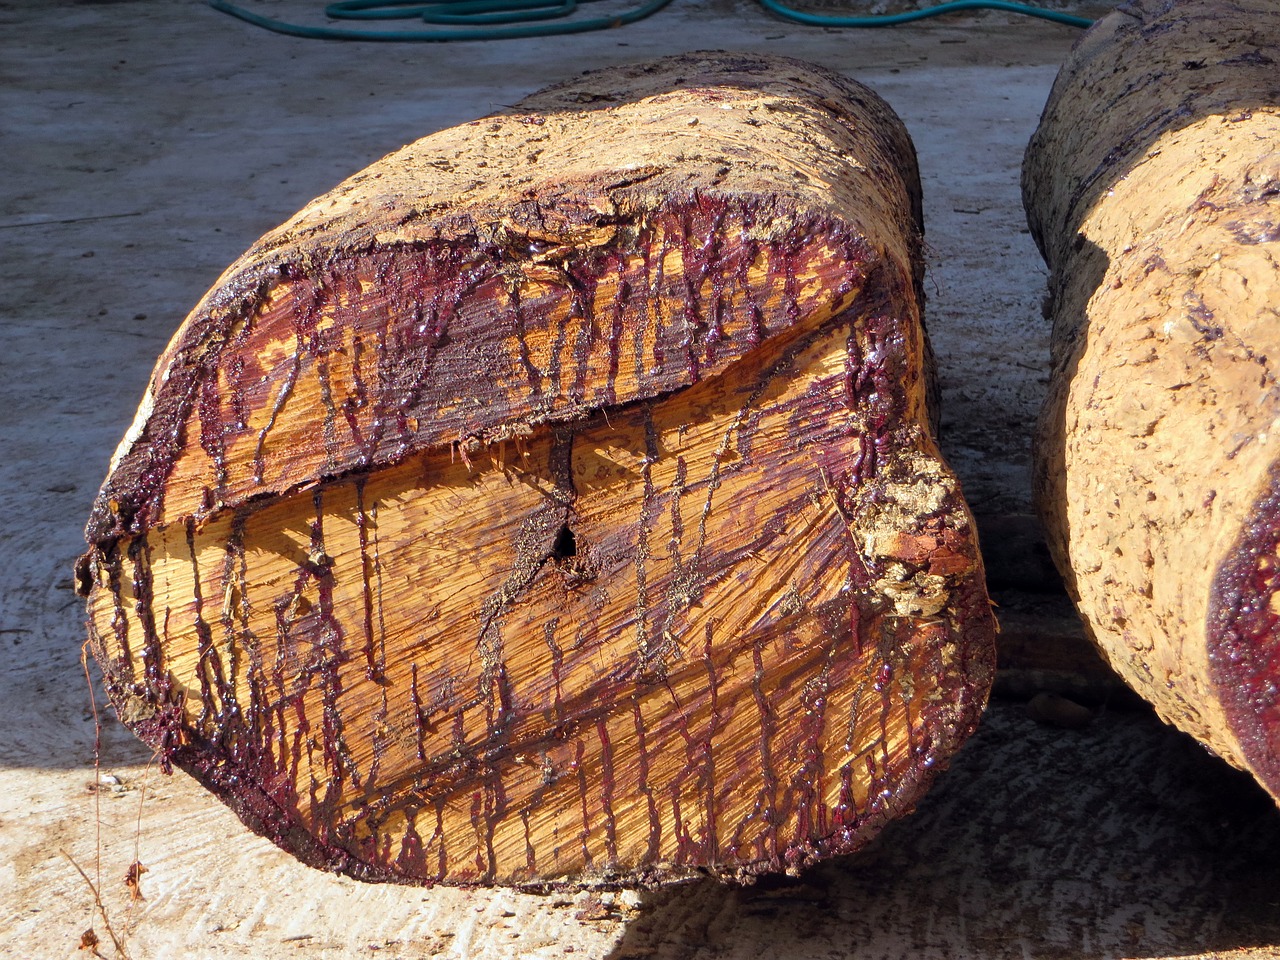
(1153,188)
(556,499)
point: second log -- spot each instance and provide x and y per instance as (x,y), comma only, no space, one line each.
(1153,188)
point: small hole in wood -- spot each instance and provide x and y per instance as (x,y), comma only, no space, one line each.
(565,544)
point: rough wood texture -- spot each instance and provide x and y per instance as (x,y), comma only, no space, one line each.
(1153,188)
(556,498)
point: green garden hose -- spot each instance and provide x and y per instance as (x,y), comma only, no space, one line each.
(893,19)
(489,19)
(510,19)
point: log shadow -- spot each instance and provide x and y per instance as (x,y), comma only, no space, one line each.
(1124,839)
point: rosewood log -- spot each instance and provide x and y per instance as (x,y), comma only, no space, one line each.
(1153,188)
(556,498)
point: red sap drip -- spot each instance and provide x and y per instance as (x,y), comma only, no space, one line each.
(259,727)
(580,768)
(209,672)
(530,856)
(768,729)
(863,467)
(642,770)
(119,619)
(648,302)
(412,858)
(329,421)
(373,667)
(873,785)
(308,303)
(155,678)
(883,677)
(419,724)
(234,577)
(281,699)
(557,664)
(882,686)
(386,407)
(357,401)
(500,717)
(213,431)
(533,375)
(913,744)
(376,559)
(622,294)
(380,739)
(693,268)
(239,403)
(878,791)
(712,841)
(442,860)
(477,811)
(459,732)
(846,814)
(495,809)
(328,637)
(286,388)
(790,296)
(656,285)
(749,253)
(301,729)
(677,521)
(164,730)
(711,264)
(811,809)
(686,849)
(606,792)
(555,361)
(585,276)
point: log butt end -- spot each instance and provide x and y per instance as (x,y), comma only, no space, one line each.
(1244,637)
(585,530)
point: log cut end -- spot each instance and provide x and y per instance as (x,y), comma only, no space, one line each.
(1244,636)
(583,521)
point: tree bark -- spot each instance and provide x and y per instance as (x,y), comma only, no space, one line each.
(1153,188)
(556,498)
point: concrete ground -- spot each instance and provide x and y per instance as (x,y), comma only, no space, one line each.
(146,144)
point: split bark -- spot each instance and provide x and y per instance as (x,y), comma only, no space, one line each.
(1153,188)
(556,498)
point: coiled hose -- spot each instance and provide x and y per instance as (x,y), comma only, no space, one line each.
(510,19)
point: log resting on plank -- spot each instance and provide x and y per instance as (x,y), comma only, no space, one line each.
(1153,188)
(556,499)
